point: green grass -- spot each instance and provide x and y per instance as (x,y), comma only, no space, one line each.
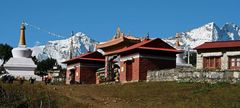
(133,95)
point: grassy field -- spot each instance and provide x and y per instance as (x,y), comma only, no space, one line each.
(133,95)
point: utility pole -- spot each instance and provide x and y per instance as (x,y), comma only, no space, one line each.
(71,47)
(188,55)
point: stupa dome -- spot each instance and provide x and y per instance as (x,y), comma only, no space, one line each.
(21,52)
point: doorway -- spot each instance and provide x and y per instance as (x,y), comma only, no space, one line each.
(129,70)
(72,76)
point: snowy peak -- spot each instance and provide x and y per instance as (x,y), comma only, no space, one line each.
(78,44)
(205,33)
(231,30)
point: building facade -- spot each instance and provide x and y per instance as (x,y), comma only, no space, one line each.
(136,60)
(122,59)
(221,55)
(82,69)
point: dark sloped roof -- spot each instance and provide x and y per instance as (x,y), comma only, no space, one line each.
(219,44)
(154,44)
(93,56)
(117,41)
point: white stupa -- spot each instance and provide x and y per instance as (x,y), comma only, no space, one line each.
(179,60)
(21,64)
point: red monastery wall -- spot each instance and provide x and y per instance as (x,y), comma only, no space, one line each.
(154,64)
(134,68)
(129,70)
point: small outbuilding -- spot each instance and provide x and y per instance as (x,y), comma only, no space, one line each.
(82,69)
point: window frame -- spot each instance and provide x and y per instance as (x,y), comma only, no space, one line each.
(234,60)
(212,62)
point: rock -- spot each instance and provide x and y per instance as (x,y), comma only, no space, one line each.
(236,74)
(105,103)
(54,88)
(115,101)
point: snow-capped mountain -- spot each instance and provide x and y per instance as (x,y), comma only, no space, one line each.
(206,33)
(81,43)
(59,49)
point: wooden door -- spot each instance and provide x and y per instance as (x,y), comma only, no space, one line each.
(128,70)
(72,76)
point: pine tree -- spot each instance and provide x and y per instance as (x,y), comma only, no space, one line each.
(5,53)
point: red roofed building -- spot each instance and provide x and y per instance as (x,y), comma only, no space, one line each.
(124,59)
(222,55)
(147,55)
(128,58)
(82,69)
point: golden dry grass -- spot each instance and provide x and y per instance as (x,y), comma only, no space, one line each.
(133,95)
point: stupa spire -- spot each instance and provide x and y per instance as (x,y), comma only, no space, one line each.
(22,41)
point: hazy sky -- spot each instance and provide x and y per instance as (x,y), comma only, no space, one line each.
(100,18)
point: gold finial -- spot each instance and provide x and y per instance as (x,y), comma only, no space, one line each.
(118,33)
(177,40)
(22,42)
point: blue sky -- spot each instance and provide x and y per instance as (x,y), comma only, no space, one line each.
(100,18)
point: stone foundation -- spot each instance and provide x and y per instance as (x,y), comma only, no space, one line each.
(189,74)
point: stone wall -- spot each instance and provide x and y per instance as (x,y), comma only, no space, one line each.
(193,75)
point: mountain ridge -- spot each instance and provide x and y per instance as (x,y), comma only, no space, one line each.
(81,43)
(206,33)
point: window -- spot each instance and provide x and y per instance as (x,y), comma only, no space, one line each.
(212,63)
(234,62)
